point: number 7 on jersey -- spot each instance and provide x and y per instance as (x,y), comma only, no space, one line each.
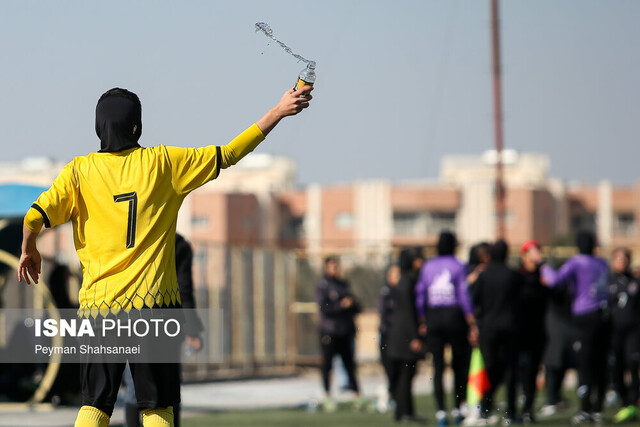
(132,198)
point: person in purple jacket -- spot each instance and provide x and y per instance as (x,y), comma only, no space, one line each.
(587,277)
(443,305)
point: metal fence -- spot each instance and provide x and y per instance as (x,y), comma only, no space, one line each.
(255,289)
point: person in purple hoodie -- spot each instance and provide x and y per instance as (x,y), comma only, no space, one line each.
(443,304)
(587,278)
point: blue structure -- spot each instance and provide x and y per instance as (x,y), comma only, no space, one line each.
(15,199)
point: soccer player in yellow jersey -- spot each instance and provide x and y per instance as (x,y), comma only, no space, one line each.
(123,203)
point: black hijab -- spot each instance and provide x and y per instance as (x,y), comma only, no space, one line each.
(118,120)
(586,242)
(447,243)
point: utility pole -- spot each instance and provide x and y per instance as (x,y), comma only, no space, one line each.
(497,120)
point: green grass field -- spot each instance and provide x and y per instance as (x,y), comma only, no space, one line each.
(346,417)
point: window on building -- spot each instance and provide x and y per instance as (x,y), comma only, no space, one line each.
(344,220)
(423,223)
(408,223)
(200,221)
(583,221)
(293,228)
(624,224)
(438,222)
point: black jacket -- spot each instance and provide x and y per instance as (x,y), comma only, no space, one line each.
(496,297)
(385,308)
(184,261)
(404,325)
(335,320)
(624,299)
(533,301)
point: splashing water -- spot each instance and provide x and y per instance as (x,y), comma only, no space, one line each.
(266,29)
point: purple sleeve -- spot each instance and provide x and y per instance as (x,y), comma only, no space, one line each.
(562,275)
(548,274)
(462,290)
(421,293)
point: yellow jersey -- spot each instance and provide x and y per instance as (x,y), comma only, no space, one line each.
(124,208)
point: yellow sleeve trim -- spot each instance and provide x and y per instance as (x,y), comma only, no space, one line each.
(240,146)
(33,220)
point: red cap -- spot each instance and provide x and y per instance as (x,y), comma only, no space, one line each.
(528,245)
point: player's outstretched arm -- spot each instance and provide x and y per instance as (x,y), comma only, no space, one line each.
(193,167)
(291,103)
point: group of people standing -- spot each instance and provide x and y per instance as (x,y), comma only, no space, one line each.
(585,315)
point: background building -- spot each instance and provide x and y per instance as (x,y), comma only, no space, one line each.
(258,203)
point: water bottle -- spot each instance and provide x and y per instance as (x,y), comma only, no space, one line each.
(307,76)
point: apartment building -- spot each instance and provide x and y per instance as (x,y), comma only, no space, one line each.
(258,203)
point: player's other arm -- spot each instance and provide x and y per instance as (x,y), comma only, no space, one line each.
(30,260)
(55,206)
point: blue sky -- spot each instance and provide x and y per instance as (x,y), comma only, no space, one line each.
(399,84)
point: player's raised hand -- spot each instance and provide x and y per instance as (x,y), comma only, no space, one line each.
(29,266)
(294,101)
(291,103)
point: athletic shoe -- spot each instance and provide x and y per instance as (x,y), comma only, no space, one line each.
(329,405)
(548,410)
(581,418)
(597,418)
(382,403)
(441,418)
(471,419)
(527,418)
(457,416)
(611,399)
(628,413)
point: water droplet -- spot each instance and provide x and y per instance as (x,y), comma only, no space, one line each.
(266,29)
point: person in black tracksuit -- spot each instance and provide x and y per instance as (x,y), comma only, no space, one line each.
(386,309)
(337,307)
(496,296)
(624,301)
(532,334)
(404,345)
(559,354)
